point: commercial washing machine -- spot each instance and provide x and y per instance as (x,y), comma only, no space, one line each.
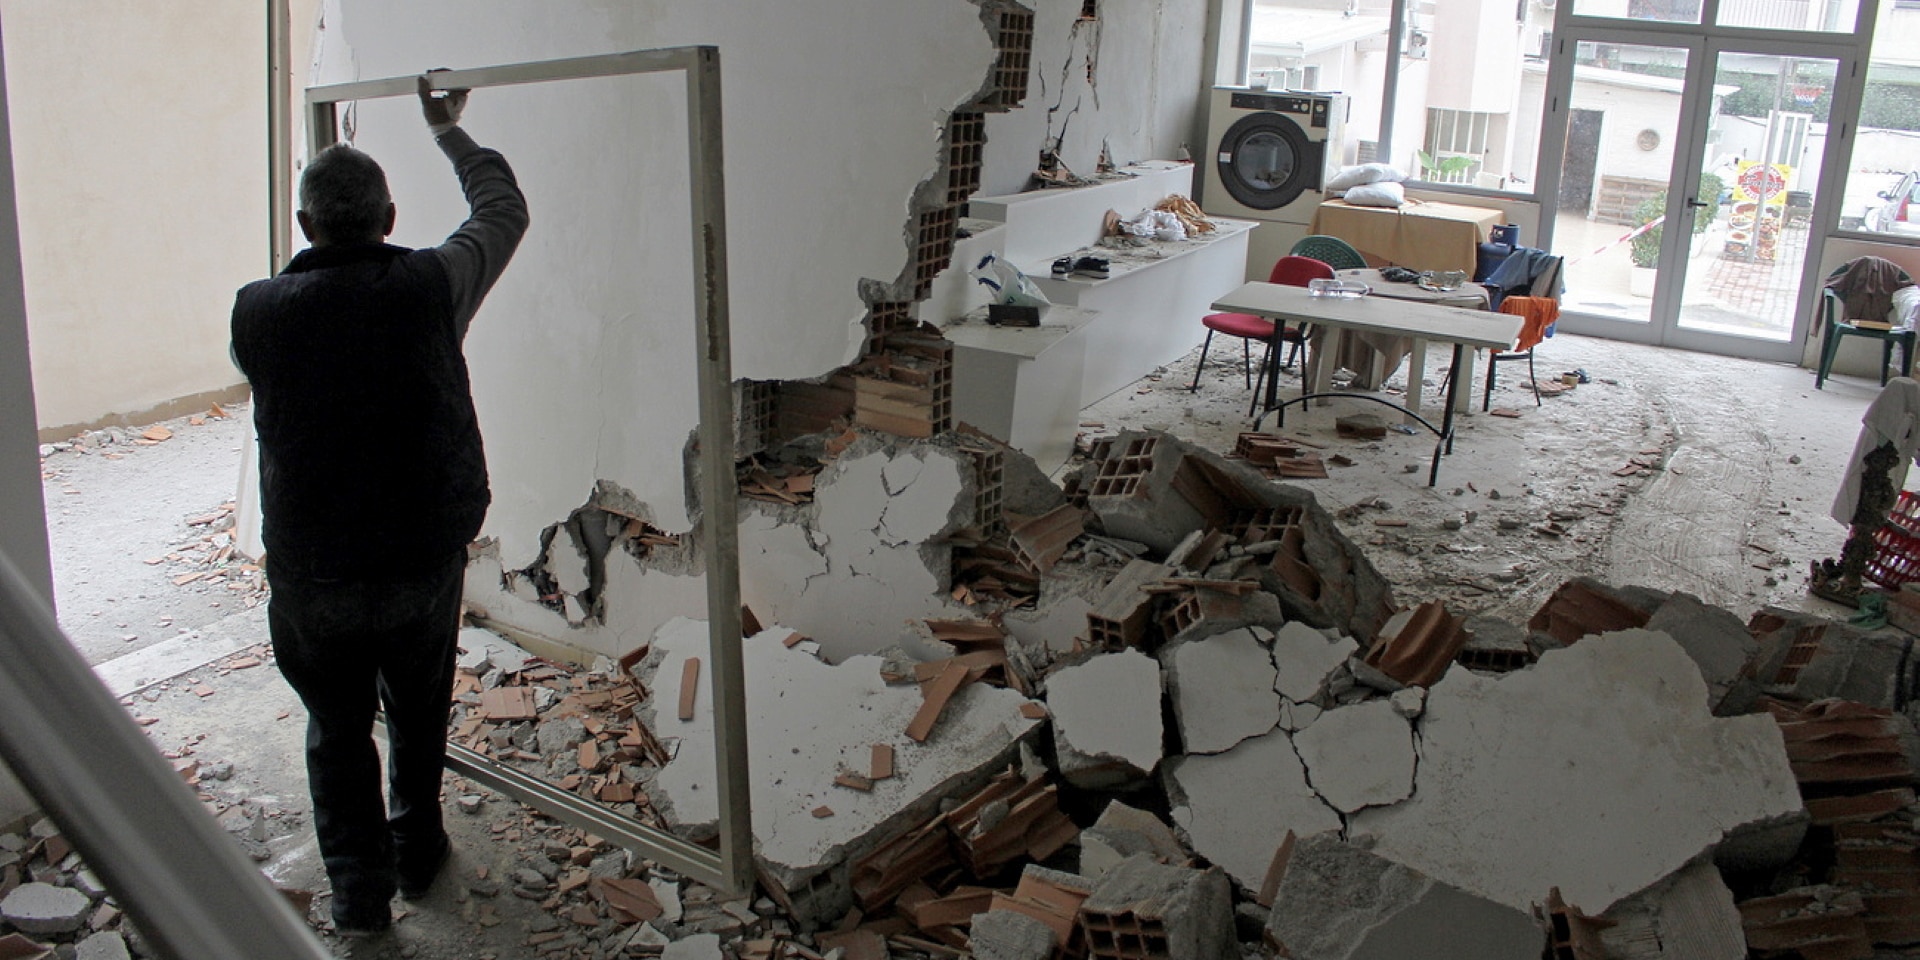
(1272,149)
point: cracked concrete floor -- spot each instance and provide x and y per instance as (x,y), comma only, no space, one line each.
(1744,461)
(1746,458)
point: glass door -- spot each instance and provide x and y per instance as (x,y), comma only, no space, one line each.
(1689,179)
(1623,134)
(1749,203)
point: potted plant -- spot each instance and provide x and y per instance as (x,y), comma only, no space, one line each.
(1644,248)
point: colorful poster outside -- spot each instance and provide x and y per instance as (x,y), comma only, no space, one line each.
(1759,200)
(1753,181)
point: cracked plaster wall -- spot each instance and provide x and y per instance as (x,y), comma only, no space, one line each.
(835,113)
(581,357)
(1147,58)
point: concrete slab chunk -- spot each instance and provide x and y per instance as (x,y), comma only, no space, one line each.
(1122,832)
(1223,690)
(1234,808)
(1106,719)
(44,908)
(807,721)
(1359,756)
(700,946)
(1304,658)
(103,946)
(1688,916)
(1716,640)
(1006,935)
(1340,902)
(1188,912)
(1598,770)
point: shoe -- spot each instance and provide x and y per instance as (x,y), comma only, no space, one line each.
(1063,266)
(368,932)
(416,881)
(361,924)
(1094,267)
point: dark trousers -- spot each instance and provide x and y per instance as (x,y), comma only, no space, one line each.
(347,647)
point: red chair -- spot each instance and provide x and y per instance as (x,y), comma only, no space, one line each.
(1290,270)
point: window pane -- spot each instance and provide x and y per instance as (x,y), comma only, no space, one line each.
(1661,11)
(1827,16)
(1336,45)
(1472,85)
(1623,113)
(1880,195)
(1746,254)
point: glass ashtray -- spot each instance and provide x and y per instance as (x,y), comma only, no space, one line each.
(1442,281)
(1337,288)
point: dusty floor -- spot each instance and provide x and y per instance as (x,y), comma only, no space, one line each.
(1744,459)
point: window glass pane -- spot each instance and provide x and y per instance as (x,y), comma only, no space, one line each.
(1325,45)
(1623,113)
(1662,11)
(1472,85)
(1826,16)
(1882,193)
(1759,178)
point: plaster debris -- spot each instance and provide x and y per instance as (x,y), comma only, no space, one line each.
(1305,658)
(1295,717)
(1338,901)
(103,946)
(878,519)
(810,721)
(1122,832)
(1231,822)
(42,908)
(700,946)
(1104,737)
(1688,916)
(1158,490)
(1222,689)
(1185,914)
(482,650)
(1359,756)
(1007,935)
(1716,640)
(1410,702)
(1544,777)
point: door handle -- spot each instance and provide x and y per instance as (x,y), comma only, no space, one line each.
(1697,203)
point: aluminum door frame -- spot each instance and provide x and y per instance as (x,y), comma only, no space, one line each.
(731,867)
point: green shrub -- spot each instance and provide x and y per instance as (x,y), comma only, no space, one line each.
(1644,248)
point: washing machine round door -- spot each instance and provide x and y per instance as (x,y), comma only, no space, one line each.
(1266,161)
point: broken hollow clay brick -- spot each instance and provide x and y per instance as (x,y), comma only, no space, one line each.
(937,692)
(689,686)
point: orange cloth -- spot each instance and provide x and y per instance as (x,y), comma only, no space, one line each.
(1539,313)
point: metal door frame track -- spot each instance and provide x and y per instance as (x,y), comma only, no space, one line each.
(731,867)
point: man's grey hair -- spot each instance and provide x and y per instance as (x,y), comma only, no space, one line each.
(344,194)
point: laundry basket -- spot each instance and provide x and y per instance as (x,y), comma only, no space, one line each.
(1896,546)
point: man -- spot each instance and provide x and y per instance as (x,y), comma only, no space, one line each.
(372,483)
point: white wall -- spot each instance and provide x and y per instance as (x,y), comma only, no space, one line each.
(141,155)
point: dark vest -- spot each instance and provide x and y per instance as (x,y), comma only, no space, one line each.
(371,465)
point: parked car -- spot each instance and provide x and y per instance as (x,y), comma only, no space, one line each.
(1898,210)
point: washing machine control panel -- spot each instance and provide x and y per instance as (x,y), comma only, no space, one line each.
(1313,108)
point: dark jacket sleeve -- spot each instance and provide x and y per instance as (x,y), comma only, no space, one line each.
(477,253)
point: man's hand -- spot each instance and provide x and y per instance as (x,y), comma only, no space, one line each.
(441,107)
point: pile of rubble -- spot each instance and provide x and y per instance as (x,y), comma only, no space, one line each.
(52,905)
(1209,726)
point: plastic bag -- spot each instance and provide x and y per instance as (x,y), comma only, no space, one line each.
(1007,284)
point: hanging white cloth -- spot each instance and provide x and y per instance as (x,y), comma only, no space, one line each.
(1893,417)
